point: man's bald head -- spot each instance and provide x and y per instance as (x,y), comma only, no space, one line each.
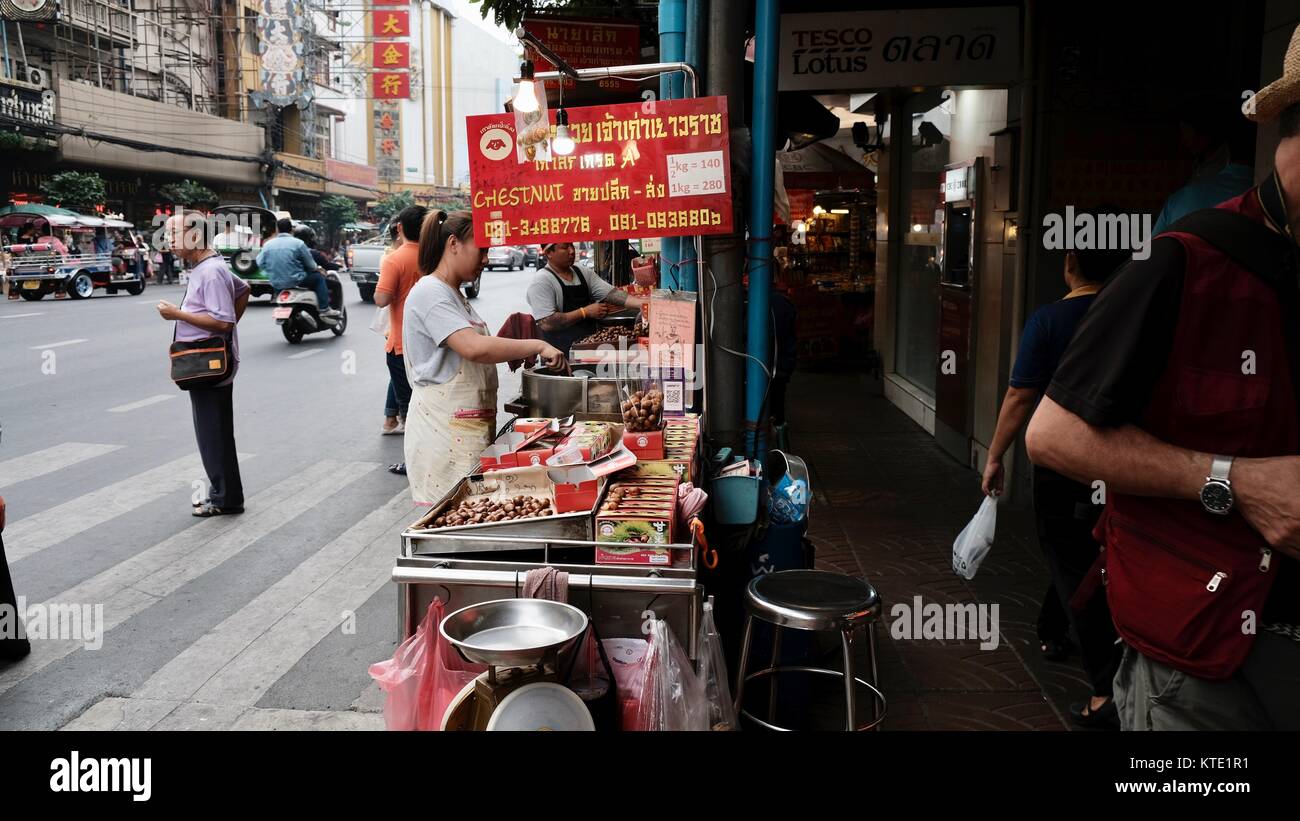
(187,235)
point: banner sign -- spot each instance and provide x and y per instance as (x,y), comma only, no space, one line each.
(387,130)
(284,80)
(639,169)
(586,43)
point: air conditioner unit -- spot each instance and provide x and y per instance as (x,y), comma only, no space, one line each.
(38,77)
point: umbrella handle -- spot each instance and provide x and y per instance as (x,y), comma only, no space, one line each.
(709,555)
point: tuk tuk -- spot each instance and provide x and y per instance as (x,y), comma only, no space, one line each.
(244,229)
(53,251)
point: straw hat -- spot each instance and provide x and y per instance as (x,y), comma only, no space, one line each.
(1277,95)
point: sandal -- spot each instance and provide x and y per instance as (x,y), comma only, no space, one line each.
(394,430)
(207,509)
(399,468)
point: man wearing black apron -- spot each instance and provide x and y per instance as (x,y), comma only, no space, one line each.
(567,304)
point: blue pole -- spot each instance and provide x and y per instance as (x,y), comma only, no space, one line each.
(672,49)
(759,344)
(687,277)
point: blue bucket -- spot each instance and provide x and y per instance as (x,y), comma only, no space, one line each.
(735,499)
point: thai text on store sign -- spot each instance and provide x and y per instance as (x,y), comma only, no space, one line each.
(637,171)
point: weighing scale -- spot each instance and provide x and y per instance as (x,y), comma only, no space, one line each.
(520,640)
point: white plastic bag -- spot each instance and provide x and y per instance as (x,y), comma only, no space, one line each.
(975,539)
(382,322)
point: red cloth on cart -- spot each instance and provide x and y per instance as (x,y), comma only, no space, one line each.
(520,326)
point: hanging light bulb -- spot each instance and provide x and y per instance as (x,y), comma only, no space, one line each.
(526,97)
(563,143)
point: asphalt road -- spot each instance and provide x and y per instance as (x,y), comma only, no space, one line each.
(265,620)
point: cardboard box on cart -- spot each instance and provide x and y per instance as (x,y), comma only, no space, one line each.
(578,486)
(503,453)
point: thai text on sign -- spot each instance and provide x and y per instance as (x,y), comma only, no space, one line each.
(660,169)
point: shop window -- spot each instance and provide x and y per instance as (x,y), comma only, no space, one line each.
(917,325)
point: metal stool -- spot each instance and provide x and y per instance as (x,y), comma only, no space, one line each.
(813,600)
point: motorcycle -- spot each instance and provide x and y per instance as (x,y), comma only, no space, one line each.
(297,311)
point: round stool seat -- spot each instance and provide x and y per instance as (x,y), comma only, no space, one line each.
(812,600)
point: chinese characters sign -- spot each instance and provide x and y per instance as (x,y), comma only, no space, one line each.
(392,55)
(284,80)
(387,138)
(394,85)
(392,23)
(638,170)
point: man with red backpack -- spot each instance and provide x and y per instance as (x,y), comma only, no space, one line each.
(1181,394)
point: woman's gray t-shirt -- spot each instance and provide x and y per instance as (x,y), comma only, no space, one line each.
(434,311)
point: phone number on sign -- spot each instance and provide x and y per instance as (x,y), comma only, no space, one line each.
(500,230)
(685,218)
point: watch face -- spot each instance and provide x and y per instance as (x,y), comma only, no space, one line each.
(1216,497)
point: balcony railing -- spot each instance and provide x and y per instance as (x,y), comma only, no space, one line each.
(110,20)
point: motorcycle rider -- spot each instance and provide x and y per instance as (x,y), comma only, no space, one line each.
(289,264)
(322,260)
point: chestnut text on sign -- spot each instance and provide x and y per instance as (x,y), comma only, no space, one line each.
(658,171)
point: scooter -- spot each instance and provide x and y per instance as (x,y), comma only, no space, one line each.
(297,311)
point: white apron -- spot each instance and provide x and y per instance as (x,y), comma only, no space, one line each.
(448,426)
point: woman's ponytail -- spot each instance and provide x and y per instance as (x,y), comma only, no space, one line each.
(438,227)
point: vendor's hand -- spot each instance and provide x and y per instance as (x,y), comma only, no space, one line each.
(992,481)
(600,309)
(167,310)
(1264,490)
(553,358)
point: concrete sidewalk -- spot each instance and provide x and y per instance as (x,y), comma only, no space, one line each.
(888,503)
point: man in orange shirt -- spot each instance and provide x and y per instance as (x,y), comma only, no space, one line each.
(398,272)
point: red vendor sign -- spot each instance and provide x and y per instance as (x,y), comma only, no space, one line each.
(639,170)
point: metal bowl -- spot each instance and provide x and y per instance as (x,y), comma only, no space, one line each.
(513,632)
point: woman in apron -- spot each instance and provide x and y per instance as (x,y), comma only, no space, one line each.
(451,361)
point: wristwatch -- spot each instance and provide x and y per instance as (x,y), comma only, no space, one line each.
(1216,494)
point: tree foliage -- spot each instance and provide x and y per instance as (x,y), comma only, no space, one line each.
(390,205)
(75,190)
(189,194)
(336,212)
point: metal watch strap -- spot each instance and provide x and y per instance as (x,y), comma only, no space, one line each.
(1220,466)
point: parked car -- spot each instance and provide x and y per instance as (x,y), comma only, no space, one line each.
(363,264)
(59,254)
(532,255)
(505,256)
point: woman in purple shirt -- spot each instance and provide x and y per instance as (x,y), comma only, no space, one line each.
(213,304)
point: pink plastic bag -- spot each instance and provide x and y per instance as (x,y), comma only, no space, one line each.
(422,677)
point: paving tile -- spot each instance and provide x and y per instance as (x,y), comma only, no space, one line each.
(887,504)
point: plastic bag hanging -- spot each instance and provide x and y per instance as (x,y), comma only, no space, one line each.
(422,677)
(975,540)
(713,674)
(673,697)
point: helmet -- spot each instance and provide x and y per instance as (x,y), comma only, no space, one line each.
(306,234)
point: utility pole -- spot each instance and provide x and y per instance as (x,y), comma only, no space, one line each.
(724,255)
